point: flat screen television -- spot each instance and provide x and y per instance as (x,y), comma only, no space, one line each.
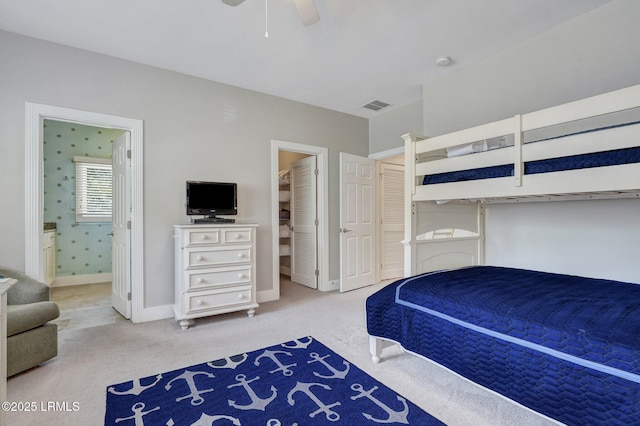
(212,199)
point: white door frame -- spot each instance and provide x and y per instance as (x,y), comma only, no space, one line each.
(35,114)
(322,154)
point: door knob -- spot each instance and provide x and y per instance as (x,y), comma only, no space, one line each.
(345,230)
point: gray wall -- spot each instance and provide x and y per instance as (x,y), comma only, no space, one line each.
(386,129)
(589,55)
(193,129)
(592,54)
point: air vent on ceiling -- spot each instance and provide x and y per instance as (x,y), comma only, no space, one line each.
(376,105)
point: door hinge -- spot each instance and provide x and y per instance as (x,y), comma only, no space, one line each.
(317,222)
(128,224)
(129,296)
(316,172)
(129,154)
(317,272)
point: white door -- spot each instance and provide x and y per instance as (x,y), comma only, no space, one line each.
(357,222)
(304,222)
(121,216)
(391,221)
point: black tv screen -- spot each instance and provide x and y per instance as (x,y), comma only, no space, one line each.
(211,198)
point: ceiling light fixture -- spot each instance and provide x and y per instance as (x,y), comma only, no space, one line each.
(443,61)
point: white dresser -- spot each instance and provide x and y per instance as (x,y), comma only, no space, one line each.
(214,270)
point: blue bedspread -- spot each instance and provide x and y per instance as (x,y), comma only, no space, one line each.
(595,322)
(566,346)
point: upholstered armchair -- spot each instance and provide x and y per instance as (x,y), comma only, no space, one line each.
(31,339)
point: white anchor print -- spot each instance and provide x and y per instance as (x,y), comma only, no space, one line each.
(229,362)
(194,394)
(272,356)
(337,374)
(298,344)
(257,403)
(207,420)
(136,387)
(394,416)
(138,414)
(276,422)
(322,407)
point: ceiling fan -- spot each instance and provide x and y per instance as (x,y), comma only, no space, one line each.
(306,10)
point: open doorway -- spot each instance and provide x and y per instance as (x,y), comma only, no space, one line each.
(131,130)
(298,218)
(300,242)
(77,205)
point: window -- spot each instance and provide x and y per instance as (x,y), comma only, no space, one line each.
(93,189)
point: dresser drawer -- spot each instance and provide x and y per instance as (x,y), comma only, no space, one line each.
(218,256)
(236,235)
(203,237)
(218,277)
(218,300)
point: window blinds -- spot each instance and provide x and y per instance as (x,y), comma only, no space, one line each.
(93,189)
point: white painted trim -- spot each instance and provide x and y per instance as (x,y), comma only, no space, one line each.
(322,155)
(35,114)
(268,295)
(82,279)
(381,155)
(155,313)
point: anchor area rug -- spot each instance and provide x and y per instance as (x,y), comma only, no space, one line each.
(296,383)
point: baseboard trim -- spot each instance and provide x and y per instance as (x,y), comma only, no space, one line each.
(82,279)
(154,313)
(268,295)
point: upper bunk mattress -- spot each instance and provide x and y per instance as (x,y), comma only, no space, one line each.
(594,323)
(574,162)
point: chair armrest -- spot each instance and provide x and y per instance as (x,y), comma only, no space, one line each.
(26,290)
(26,317)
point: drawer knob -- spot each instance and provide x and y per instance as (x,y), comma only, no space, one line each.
(200,258)
(200,280)
(240,254)
(200,302)
(203,237)
(238,236)
(241,296)
(240,275)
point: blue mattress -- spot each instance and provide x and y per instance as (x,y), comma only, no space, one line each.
(565,346)
(574,162)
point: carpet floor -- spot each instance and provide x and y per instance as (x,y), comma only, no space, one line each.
(71,388)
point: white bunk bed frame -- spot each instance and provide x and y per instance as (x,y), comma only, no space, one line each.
(423,214)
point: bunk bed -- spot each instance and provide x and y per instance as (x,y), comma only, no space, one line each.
(565,346)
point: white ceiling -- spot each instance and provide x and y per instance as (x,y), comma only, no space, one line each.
(359,51)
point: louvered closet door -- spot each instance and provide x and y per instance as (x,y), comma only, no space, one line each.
(392,221)
(304,252)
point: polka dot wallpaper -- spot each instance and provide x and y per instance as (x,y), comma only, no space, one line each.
(81,248)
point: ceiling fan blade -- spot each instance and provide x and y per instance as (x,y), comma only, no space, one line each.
(307,11)
(232,2)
